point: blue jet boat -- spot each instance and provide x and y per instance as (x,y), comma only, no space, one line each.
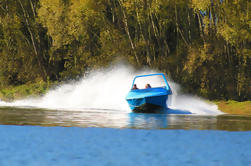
(149,100)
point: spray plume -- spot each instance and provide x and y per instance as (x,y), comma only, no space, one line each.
(106,90)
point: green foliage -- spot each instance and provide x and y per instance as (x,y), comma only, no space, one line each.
(203,45)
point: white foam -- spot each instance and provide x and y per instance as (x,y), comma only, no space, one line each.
(106,89)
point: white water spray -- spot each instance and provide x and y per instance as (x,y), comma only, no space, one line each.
(193,104)
(106,89)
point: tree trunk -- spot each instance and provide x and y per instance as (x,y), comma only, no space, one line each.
(189,25)
(39,60)
(128,32)
(178,29)
(200,28)
(148,55)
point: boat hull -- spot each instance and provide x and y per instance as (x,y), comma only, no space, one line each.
(152,104)
(148,108)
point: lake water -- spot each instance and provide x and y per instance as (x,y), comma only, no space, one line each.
(43,137)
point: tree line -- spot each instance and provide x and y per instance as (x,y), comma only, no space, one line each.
(203,45)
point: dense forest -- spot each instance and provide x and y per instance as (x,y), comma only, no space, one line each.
(205,45)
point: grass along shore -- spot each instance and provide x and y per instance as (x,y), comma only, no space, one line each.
(18,92)
(234,107)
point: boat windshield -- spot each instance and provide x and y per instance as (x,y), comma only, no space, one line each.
(150,81)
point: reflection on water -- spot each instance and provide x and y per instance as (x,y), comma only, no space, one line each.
(118,119)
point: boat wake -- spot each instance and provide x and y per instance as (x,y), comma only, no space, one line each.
(106,90)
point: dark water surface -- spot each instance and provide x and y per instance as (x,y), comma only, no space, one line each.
(119,119)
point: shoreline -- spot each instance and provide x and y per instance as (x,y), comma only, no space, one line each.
(12,93)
